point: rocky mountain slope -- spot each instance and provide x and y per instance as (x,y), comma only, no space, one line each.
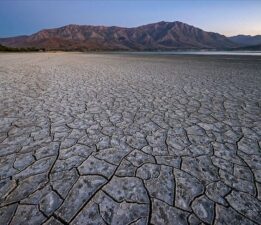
(156,36)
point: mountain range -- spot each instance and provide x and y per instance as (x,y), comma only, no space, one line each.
(246,39)
(156,36)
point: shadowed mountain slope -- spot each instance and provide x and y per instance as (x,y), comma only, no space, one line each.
(156,36)
(246,39)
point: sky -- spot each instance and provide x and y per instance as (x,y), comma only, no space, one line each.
(228,17)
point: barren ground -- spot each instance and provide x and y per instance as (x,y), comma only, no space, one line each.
(117,139)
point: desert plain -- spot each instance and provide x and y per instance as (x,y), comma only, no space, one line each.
(93,139)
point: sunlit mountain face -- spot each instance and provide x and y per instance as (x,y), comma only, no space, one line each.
(155,36)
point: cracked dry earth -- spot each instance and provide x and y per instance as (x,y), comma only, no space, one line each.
(117,139)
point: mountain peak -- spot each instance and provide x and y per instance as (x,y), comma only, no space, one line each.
(162,35)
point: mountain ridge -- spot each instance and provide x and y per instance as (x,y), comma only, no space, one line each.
(246,40)
(154,36)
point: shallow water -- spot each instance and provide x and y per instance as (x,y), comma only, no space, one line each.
(243,53)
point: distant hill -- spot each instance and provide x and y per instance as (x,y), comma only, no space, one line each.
(246,39)
(250,48)
(156,36)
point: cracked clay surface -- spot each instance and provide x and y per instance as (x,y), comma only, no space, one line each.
(98,139)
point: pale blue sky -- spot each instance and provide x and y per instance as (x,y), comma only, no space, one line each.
(229,17)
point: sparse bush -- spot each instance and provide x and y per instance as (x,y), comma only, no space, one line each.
(30,49)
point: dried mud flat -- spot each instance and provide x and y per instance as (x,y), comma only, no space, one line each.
(118,139)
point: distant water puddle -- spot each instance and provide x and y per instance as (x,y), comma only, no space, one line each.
(240,53)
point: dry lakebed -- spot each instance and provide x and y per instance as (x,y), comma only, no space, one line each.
(98,139)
